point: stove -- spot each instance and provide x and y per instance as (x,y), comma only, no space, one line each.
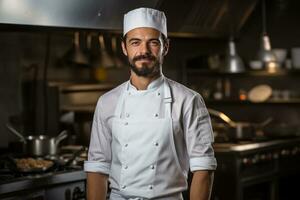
(60,183)
(257,170)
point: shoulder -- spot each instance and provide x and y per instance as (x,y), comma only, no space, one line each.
(180,92)
(112,95)
(108,101)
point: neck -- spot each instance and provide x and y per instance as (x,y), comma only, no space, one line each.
(141,83)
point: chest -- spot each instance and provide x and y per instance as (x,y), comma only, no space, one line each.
(143,105)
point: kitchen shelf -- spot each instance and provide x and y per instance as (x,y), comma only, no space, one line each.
(236,101)
(247,73)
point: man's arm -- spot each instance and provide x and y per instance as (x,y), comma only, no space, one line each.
(201,185)
(96,186)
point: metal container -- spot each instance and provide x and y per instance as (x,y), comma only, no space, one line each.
(39,145)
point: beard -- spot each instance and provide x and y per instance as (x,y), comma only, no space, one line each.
(146,70)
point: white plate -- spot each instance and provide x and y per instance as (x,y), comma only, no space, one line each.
(260,93)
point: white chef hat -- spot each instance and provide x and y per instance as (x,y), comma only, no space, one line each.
(145,17)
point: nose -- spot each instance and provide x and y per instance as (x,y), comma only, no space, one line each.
(144,48)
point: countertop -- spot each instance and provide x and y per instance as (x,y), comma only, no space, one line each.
(41,180)
(249,146)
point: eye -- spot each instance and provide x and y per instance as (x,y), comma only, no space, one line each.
(134,43)
(154,43)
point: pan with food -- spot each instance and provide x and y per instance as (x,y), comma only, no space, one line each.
(29,165)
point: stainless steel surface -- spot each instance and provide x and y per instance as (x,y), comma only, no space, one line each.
(94,14)
(39,145)
(265,53)
(54,142)
(234,63)
(241,147)
(203,18)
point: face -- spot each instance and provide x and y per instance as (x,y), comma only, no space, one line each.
(145,51)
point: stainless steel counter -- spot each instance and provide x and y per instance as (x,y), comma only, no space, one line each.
(248,146)
(52,184)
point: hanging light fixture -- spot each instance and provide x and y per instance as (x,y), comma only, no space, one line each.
(265,53)
(233,62)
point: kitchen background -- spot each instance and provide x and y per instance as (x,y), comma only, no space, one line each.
(39,75)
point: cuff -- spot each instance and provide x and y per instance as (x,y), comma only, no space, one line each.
(203,163)
(96,166)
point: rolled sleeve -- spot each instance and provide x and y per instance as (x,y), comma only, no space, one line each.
(95,166)
(199,136)
(99,154)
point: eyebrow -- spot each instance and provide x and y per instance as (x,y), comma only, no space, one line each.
(151,39)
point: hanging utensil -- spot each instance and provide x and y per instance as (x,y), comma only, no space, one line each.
(118,62)
(104,59)
(76,55)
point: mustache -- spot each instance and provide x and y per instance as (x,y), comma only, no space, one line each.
(141,57)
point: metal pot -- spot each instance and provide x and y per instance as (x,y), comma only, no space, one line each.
(39,145)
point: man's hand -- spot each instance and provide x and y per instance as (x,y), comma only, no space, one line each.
(96,186)
(201,185)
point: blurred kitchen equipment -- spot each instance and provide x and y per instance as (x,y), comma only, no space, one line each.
(265,53)
(260,93)
(256,64)
(103,61)
(234,63)
(295,54)
(280,55)
(39,145)
(118,62)
(76,55)
(237,131)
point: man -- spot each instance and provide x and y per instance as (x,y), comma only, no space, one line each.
(150,130)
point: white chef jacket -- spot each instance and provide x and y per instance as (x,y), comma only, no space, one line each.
(193,135)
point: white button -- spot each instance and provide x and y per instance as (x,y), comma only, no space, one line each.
(129,93)
(123,186)
(152,166)
(126,145)
(125,167)
(150,187)
(156,115)
(156,143)
(127,115)
(126,123)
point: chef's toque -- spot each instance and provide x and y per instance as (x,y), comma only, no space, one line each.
(145,17)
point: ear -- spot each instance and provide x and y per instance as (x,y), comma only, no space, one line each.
(166,48)
(124,48)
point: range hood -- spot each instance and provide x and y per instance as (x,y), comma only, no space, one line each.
(190,17)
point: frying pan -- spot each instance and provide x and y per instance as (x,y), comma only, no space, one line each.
(29,169)
(239,130)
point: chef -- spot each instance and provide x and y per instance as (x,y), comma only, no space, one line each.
(150,131)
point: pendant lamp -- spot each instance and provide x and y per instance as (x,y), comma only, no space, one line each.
(265,53)
(234,63)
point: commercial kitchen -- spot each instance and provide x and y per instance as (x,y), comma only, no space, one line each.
(58,57)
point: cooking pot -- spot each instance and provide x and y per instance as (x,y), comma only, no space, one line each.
(237,131)
(39,145)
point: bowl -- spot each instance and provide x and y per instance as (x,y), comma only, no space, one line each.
(256,64)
